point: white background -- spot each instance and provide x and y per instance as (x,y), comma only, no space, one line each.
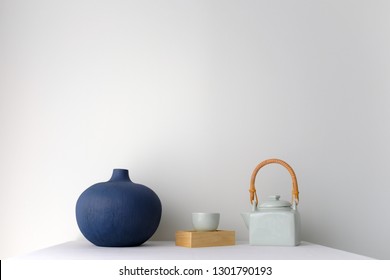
(190,96)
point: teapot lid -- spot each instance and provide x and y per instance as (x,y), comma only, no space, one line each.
(274,202)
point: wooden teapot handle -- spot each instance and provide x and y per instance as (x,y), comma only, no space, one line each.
(252,190)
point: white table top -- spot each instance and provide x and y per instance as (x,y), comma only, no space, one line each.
(166,250)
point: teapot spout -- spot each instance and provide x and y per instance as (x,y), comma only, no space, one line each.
(245,216)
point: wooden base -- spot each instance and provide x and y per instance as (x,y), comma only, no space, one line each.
(196,239)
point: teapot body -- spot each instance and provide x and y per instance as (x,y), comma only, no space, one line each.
(275,227)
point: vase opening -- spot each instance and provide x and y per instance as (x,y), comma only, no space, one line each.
(120,175)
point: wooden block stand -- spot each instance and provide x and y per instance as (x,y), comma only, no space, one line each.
(196,239)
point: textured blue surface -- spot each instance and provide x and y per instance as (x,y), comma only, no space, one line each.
(118,213)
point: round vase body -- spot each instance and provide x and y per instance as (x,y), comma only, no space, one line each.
(118,213)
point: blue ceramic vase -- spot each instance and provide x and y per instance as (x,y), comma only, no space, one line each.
(118,213)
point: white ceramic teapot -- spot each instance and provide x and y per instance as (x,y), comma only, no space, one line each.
(273,222)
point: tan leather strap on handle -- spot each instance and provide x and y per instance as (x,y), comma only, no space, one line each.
(252,190)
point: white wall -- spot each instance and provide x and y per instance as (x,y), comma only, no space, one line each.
(190,96)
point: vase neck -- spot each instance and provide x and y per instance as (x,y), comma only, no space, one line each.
(120,175)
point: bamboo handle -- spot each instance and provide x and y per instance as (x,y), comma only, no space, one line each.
(252,190)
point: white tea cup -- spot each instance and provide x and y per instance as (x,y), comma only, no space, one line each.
(205,221)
